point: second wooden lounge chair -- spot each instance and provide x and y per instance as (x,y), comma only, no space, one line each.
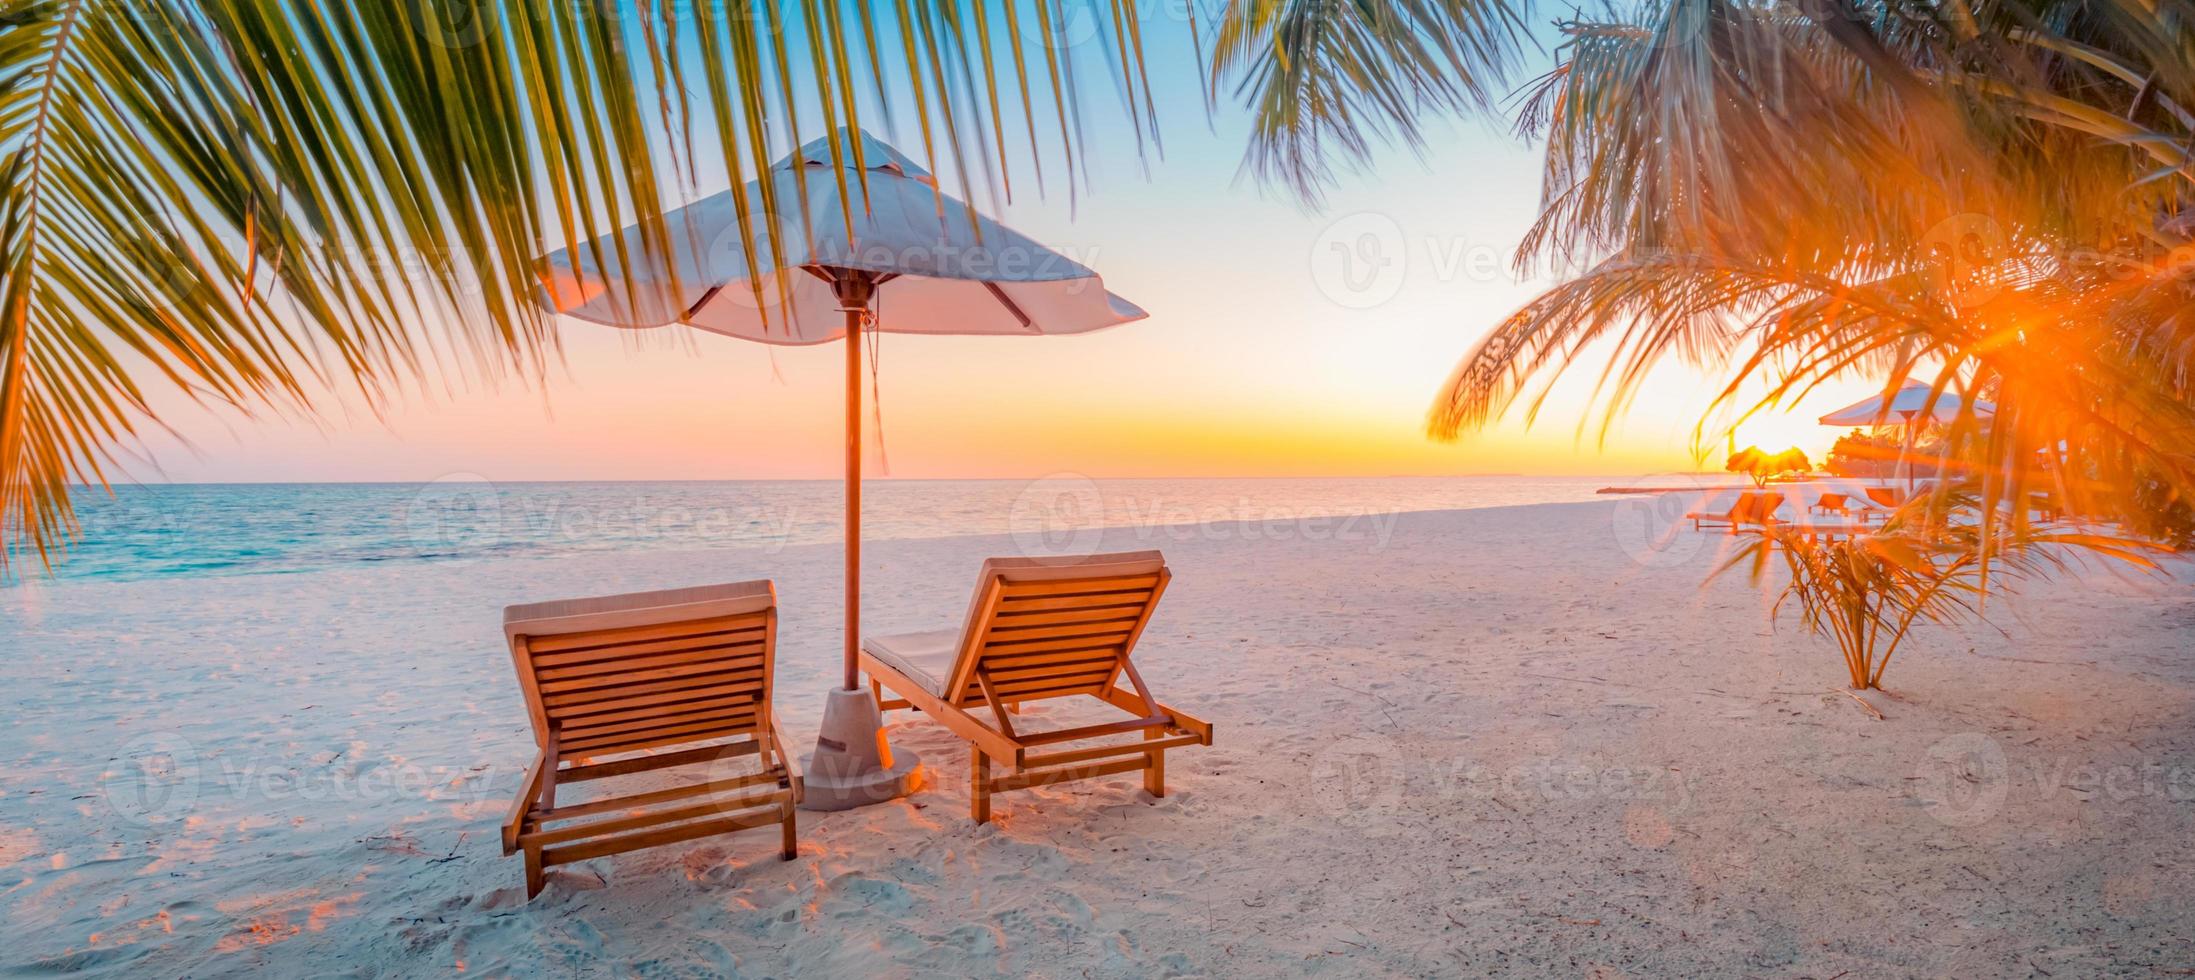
(671,681)
(1035,630)
(1751,508)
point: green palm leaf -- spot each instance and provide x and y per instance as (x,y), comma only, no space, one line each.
(251,200)
(1328,80)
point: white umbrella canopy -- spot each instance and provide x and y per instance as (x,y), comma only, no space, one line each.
(937,266)
(1901,408)
(1910,407)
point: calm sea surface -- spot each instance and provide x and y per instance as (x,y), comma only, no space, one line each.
(245,529)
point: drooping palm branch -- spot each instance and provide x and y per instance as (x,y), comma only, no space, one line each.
(1988,196)
(248,201)
(1329,80)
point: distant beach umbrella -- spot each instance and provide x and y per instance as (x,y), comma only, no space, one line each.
(865,243)
(1903,408)
(1911,408)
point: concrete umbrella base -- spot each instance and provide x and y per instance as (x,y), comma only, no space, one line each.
(852,765)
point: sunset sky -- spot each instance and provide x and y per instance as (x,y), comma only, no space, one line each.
(1253,362)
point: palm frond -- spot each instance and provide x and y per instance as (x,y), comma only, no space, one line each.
(1990,198)
(1328,80)
(258,199)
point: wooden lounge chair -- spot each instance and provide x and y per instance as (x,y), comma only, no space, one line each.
(1751,508)
(1833,503)
(667,681)
(1035,630)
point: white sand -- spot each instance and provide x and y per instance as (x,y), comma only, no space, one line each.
(1499,743)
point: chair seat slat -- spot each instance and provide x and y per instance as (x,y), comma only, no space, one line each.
(653,704)
(728,715)
(565,647)
(1003,632)
(744,652)
(618,844)
(708,674)
(685,730)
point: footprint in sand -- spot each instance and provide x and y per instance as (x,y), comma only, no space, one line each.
(861,895)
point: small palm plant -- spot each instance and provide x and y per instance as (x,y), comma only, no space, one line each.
(1933,561)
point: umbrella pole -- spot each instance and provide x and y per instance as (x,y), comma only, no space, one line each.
(854,299)
(853,763)
(1905,456)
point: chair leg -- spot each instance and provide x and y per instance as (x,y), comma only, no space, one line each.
(1154,770)
(789,848)
(535,879)
(979,795)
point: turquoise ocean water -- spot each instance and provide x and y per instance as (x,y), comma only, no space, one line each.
(157,531)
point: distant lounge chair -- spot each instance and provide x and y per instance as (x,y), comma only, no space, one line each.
(683,673)
(2047,503)
(1886,496)
(1751,508)
(1842,505)
(1040,629)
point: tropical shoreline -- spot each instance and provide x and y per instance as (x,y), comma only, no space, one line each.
(1508,740)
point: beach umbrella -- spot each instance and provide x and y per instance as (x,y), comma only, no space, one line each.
(1911,408)
(1910,404)
(863,240)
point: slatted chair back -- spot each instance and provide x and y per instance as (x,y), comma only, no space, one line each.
(647,670)
(1832,501)
(1039,629)
(1756,508)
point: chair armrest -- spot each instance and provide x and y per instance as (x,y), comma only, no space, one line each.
(528,792)
(791,763)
